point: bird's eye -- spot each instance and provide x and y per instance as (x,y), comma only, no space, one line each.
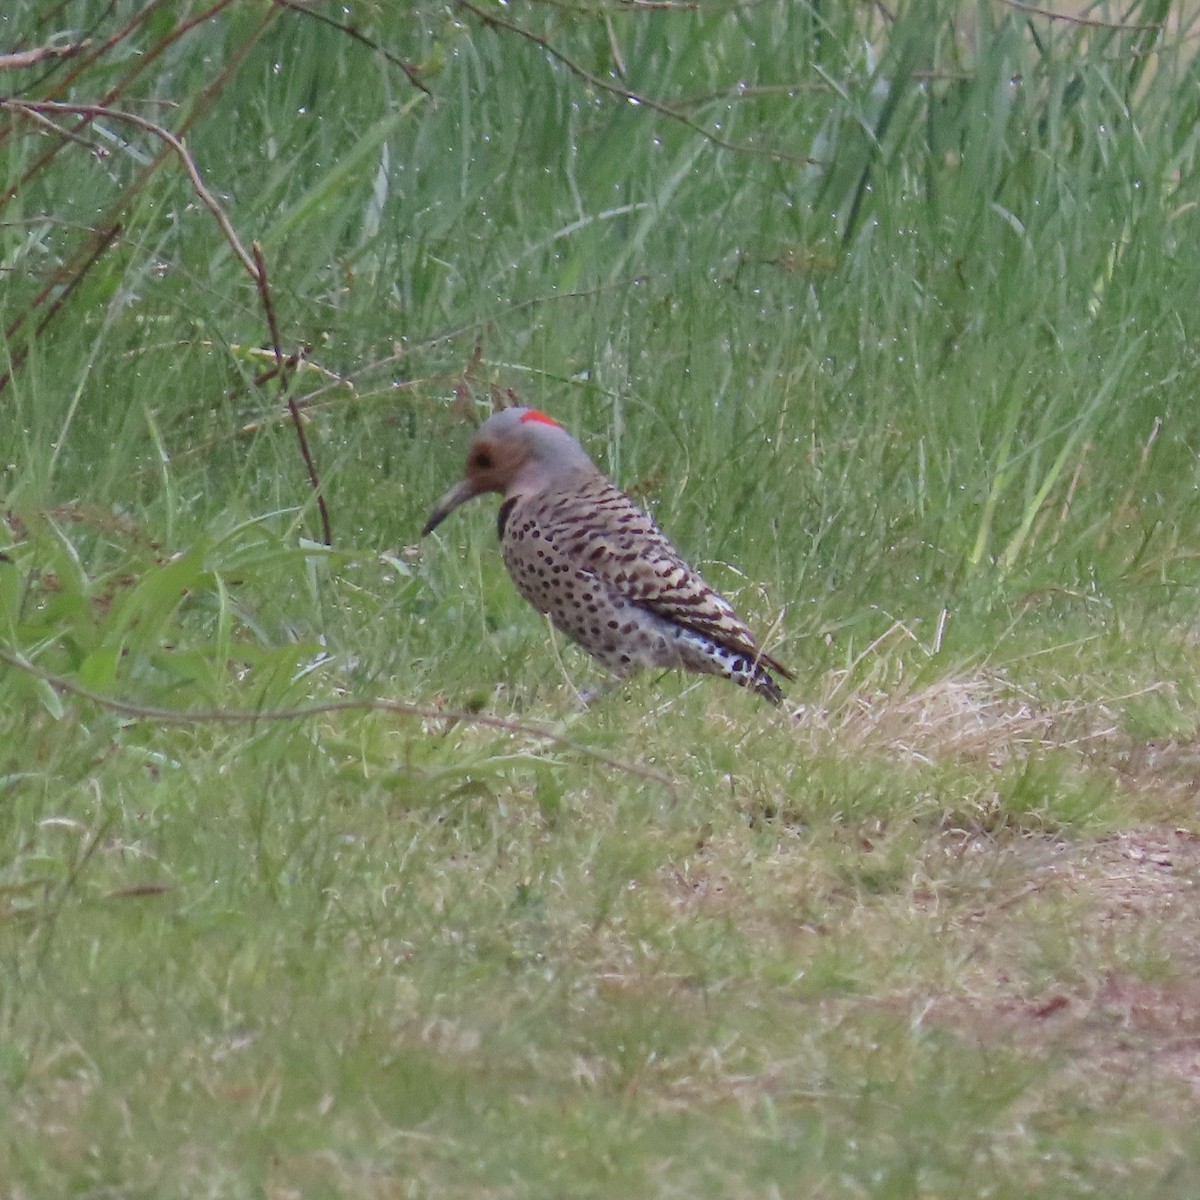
(483,460)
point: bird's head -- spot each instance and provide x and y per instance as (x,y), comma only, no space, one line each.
(517,451)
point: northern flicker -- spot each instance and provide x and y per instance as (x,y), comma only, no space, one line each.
(580,551)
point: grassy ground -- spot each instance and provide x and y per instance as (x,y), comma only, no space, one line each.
(892,325)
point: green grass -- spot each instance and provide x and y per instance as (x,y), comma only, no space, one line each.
(901,353)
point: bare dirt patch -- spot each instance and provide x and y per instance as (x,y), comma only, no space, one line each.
(1025,928)
(1130,1013)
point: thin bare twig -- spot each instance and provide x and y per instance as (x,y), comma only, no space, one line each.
(30,58)
(254,264)
(224,716)
(1090,22)
(69,135)
(105,239)
(16,359)
(413,77)
(281,363)
(616,89)
(82,260)
(93,111)
(141,63)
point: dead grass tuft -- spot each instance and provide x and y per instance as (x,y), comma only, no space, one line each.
(980,718)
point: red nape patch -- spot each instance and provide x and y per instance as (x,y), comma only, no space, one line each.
(534,415)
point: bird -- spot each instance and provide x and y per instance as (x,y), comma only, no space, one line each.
(585,555)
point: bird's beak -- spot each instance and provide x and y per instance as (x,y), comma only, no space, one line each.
(460,493)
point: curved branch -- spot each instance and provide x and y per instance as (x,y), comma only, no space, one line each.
(254,264)
(30,58)
(224,716)
(92,111)
(413,77)
(1089,22)
(616,89)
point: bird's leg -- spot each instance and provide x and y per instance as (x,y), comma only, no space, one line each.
(588,696)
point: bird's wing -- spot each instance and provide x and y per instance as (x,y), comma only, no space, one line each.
(609,536)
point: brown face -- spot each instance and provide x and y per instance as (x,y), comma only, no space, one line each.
(492,463)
